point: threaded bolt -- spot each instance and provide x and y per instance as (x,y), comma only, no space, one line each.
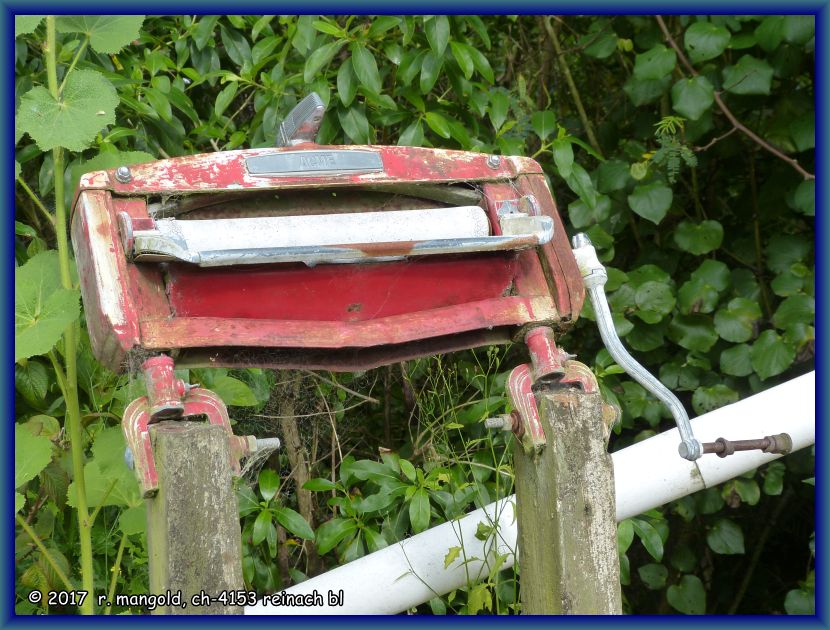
(123,174)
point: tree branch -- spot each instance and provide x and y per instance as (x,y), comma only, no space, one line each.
(737,124)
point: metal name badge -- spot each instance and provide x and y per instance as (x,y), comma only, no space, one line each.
(300,163)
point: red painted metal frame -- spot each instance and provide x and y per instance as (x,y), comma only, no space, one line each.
(366,315)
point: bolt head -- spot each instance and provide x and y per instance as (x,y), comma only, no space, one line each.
(493,161)
(123,174)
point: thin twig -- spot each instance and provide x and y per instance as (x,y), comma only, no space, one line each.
(36,539)
(305,415)
(38,203)
(341,386)
(78,54)
(737,124)
(116,571)
(713,142)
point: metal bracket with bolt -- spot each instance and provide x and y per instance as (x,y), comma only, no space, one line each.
(595,276)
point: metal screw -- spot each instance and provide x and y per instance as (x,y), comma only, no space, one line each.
(493,161)
(123,174)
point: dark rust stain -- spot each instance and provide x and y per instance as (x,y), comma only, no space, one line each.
(400,248)
(354,308)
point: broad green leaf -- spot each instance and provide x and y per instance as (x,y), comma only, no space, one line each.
(784,250)
(438,124)
(261,526)
(430,71)
(375,541)
(366,68)
(354,123)
(133,520)
(805,198)
(654,300)
(714,273)
(412,136)
(654,63)
(42,308)
(774,478)
(419,511)
(294,523)
(437,30)
(31,455)
(115,486)
(736,361)
(736,322)
(625,535)
(107,33)
(86,106)
(381,24)
(800,602)
(330,533)
(698,238)
(649,537)
(651,201)
(748,76)
(269,483)
(263,48)
(798,29)
(725,537)
(582,216)
(328,28)
(748,490)
(771,355)
(464,59)
(580,182)
(319,59)
(688,596)
(452,554)
(248,502)
(704,41)
(645,91)
(693,332)
(653,576)
(797,309)
(612,175)
(32,381)
(19,502)
(683,558)
(408,469)
(706,399)
(692,97)
(319,485)
(346,84)
(770,32)
(481,63)
(499,106)
(543,123)
(236,45)
(600,42)
(234,392)
(225,97)
(563,156)
(25,24)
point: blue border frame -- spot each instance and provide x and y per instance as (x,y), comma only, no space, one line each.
(814,7)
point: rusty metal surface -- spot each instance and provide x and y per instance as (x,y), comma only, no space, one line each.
(519,390)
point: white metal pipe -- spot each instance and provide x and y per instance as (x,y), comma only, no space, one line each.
(647,475)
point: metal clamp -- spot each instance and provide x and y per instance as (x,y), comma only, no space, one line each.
(302,123)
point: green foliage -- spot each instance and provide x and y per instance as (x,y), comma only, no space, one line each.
(708,238)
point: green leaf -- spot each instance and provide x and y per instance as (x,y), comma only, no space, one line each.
(804,198)
(419,511)
(261,526)
(748,76)
(294,523)
(582,216)
(412,136)
(31,455)
(19,502)
(438,124)
(692,97)
(430,71)
(654,297)
(771,355)
(580,182)
(319,485)
(612,175)
(107,160)
(654,63)
(698,238)
(437,30)
(25,24)
(320,58)
(736,322)
(800,602)
(736,361)
(42,308)
(110,486)
(236,45)
(381,24)
(797,309)
(499,106)
(248,502)
(133,520)
(86,106)
(107,33)
(644,91)
(354,123)
(481,63)
(653,576)
(366,68)
(704,41)
(651,201)
(328,28)
(798,29)
(706,399)
(346,84)
(543,123)
(649,537)
(693,332)
(269,483)
(462,56)
(452,554)
(770,32)
(725,538)
(225,97)
(625,535)
(784,250)
(234,392)
(408,469)
(330,533)
(32,381)
(688,596)
(563,156)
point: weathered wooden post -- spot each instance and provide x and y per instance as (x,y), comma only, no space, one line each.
(193,533)
(564,486)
